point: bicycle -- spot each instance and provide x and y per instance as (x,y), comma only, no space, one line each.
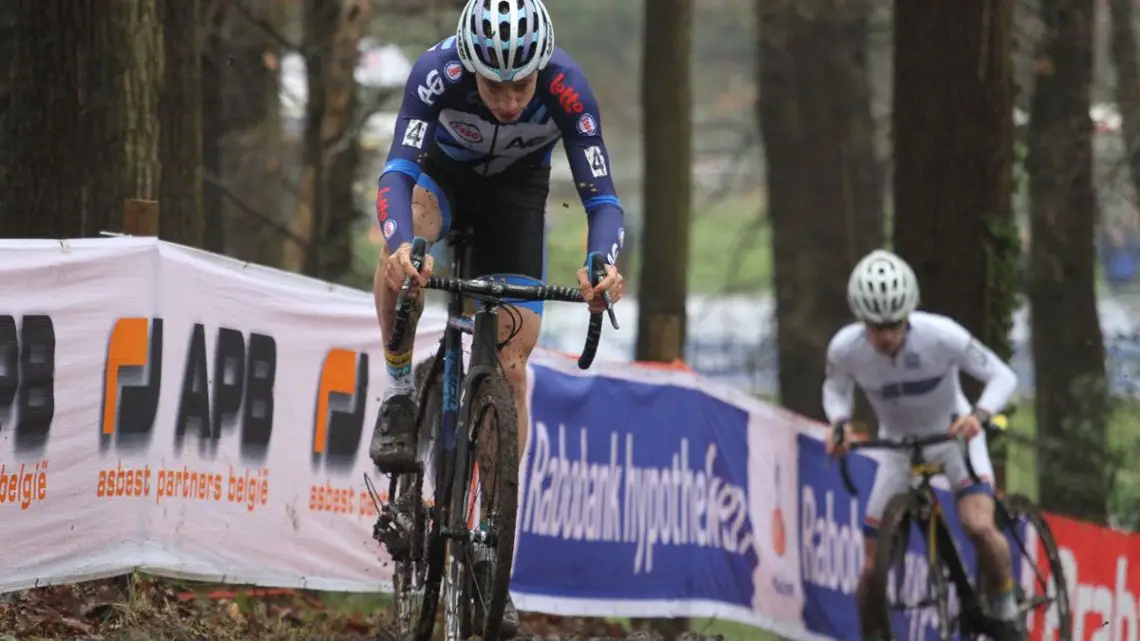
(920,506)
(422,539)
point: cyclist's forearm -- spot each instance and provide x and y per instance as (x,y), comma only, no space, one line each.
(606,232)
(838,399)
(394,203)
(1000,384)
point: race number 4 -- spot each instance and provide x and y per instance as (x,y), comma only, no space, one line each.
(597,161)
(432,88)
(414,134)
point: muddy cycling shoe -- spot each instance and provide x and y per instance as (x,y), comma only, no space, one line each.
(393,448)
(1009,631)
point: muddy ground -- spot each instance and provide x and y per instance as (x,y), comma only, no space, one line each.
(148,609)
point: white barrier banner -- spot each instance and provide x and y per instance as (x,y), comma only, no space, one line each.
(193,416)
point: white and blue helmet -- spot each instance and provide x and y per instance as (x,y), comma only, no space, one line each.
(505,40)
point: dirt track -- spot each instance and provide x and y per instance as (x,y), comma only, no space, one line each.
(153,610)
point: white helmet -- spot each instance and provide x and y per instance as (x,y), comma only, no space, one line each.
(882,288)
(505,40)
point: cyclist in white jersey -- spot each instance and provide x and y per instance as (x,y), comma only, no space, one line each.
(907,363)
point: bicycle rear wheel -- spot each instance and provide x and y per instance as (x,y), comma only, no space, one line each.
(484,508)
(419,574)
(1049,588)
(916,582)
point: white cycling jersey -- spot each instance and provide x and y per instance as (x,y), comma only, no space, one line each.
(916,391)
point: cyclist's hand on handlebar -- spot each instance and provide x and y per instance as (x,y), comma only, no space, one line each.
(612,283)
(838,440)
(967,427)
(399,267)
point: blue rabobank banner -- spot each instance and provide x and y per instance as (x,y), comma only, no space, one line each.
(634,490)
(658,493)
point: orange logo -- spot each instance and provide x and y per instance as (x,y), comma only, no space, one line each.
(132,377)
(779,529)
(342,393)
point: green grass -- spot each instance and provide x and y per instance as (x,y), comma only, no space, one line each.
(1124,439)
(729,245)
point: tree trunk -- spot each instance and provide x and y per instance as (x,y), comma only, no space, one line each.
(953,131)
(1068,349)
(242,131)
(80,126)
(180,110)
(1126,59)
(666,105)
(325,209)
(824,184)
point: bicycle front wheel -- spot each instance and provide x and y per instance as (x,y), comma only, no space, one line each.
(484,506)
(911,588)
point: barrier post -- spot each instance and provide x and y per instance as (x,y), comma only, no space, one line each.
(140,217)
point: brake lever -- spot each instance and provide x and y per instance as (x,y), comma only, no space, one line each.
(597,274)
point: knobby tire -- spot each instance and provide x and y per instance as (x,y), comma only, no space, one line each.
(1020,506)
(894,532)
(428,541)
(489,414)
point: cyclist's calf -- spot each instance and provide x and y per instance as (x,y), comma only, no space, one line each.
(976,513)
(514,357)
(867,595)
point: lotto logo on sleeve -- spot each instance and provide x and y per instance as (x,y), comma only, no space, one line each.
(587,126)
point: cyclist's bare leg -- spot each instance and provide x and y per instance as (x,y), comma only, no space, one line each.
(514,356)
(393,441)
(976,511)
(867,593)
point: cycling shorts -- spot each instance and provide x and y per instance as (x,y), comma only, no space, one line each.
(505,213)
(893,475)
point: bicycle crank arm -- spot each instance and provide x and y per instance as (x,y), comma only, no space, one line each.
(474,536)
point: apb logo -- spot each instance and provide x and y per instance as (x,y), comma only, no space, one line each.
(342,395)
(132,379)
(241,394)
(27,379)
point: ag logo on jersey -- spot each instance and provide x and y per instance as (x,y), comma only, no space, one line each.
(453,71)
(587,126)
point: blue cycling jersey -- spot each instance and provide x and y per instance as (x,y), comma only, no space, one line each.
(442,108)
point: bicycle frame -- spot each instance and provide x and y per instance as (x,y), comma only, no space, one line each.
(940,543)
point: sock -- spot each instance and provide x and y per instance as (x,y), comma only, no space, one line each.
(399,374)
(1005,602)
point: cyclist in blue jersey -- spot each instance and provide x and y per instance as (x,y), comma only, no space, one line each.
(481,115)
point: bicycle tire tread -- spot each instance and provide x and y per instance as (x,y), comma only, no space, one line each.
(492,390)
(896,516)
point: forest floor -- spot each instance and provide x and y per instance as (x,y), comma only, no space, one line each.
(153,609)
